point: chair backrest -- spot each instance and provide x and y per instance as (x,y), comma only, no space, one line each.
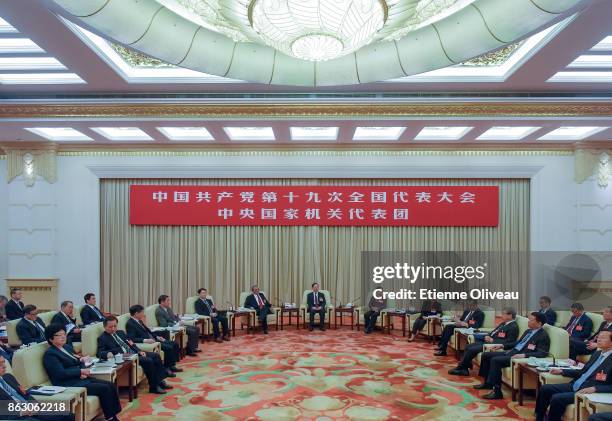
(327,296)
(47,316)
(28,365)
(11,333)
(77,315)
(7,367)
(489,319)
(596,318)
(563,317)
(122,320)
(521,322)
(559,341)
(89,339)
(190,303)
(150,315)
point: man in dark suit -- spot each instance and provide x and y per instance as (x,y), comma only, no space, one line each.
(580,325)
(588,346)
(316,305)
(549,313)
(504,336)
(65,317)
(205,307)
(67,370)
(534,343)
(594,377)
(258,302)
(14,307)
(472,317)
(11,391)
(139,332)
(600,416)
(89,312)
(166,318)
(113,342)
(30,328)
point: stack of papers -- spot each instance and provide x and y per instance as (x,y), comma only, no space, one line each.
(47,390)
(102,370)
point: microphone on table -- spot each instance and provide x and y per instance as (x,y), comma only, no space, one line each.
(553,358)
(231,306)
(352,302)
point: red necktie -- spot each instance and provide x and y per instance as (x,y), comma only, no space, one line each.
(259,300)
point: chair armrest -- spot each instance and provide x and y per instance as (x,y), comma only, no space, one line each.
(149,347)
(548,378)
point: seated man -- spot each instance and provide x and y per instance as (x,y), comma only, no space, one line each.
(549,313)
(428,309)
(11,391)
(113,342)
(504,336)
(166,318)
(534,343)
(89,312)
(580,325)
(139,332)
(14,307)
(258,302)
(588,346)
(65,317)
(471,317)
(205,307)
(594,377)
(30,328)
(316,305)
(375,306)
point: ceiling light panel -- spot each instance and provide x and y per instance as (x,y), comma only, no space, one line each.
(378,133)
(122,133)
(314,133)
(250,133)
(507,133)
(442,133)
(58,134)
(186,133)
(572,133)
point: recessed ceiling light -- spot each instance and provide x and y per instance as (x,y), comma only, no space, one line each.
(39,78)
(250,133)
(507,133)
(30,63)
(6,27)
(59,134)
(378,133)
(314,133)
(582,77)
(19,45)
(572,133)
(122,133)
(604,45)
(186,133)
(592,61)
(442,133)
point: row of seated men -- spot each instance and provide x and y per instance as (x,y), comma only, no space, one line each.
(503,344)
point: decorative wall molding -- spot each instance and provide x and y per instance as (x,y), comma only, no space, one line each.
(31,163)
(594,163)
(30,256)
(331,169)
(30,206)
(31,231)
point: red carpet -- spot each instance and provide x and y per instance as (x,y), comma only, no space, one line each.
(320,376)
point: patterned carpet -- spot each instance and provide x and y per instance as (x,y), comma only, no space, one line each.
(320,376)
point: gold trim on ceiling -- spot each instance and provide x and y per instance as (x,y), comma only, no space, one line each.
(300,111)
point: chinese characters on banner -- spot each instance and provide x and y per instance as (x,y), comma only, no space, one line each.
(315,205)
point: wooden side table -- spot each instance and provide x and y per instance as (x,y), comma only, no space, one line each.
(389,314)
(340,311)
(239,313)
(525,370)
(280,317)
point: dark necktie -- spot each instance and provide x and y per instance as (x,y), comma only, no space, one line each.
(123,345)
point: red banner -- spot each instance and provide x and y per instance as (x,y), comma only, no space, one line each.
(315,205)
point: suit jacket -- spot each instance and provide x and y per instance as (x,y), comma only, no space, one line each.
(106,344)
(601,328)
(251,302)
(13,310)
(476,319)
(165,317)
(89,316)
(583,327)
(138,332)
(28,333)
(601,386)
(12,381)
(505,334)
(551,316)
(64,320)
(202,309)
(310,300)
(62,369)
(537,346)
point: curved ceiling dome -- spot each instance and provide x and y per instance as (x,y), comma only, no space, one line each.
(316,42)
